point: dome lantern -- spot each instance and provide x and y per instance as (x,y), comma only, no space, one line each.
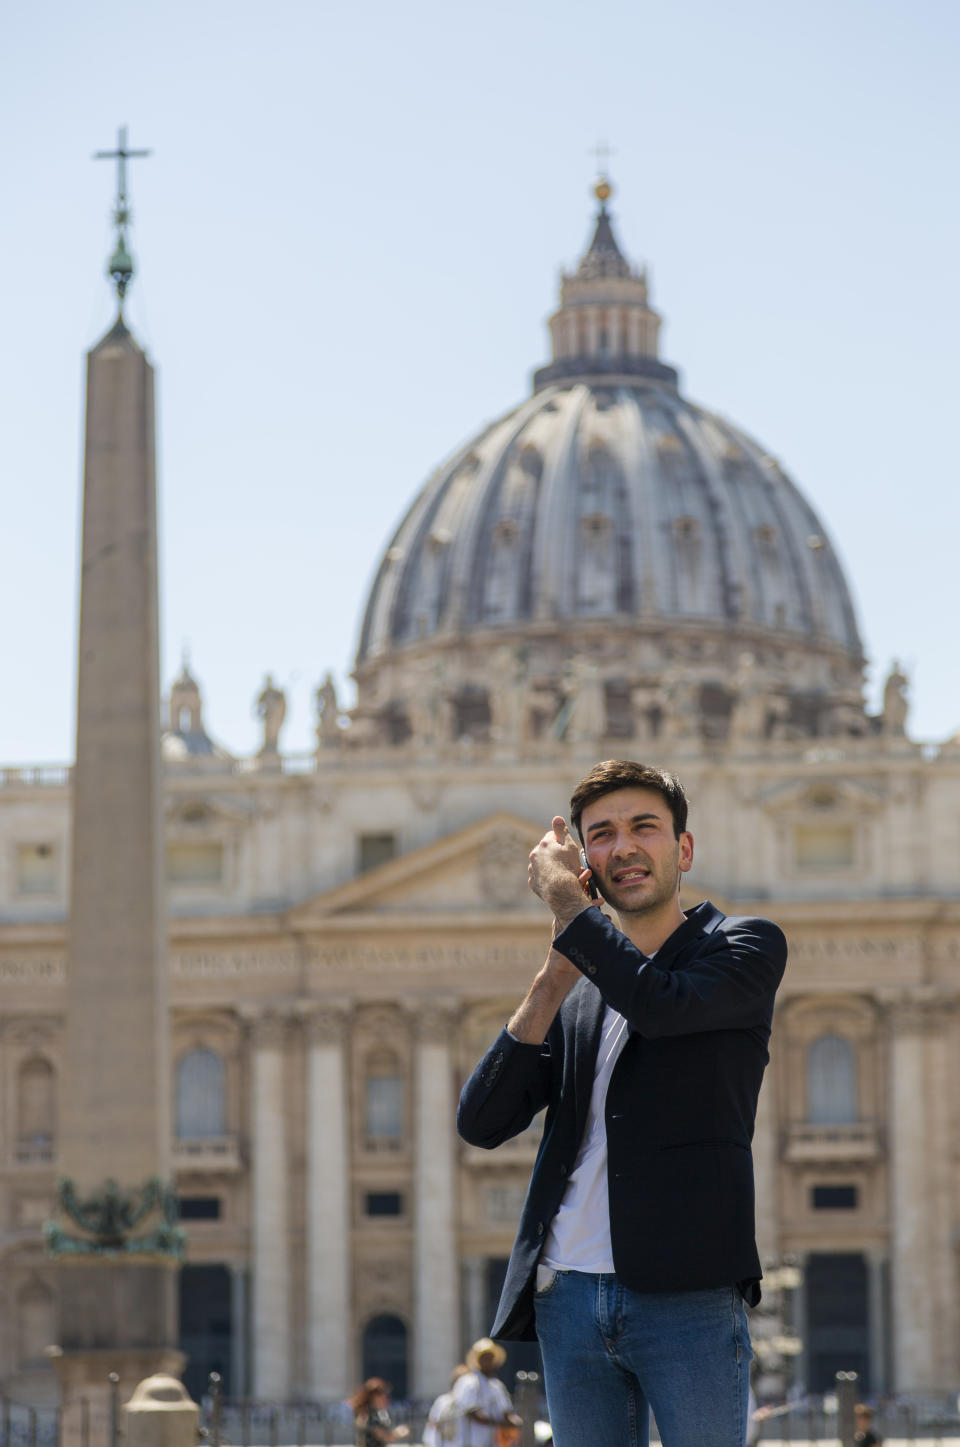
(605,325)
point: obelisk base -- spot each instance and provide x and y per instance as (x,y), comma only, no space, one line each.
(115,1317)
(90,1403)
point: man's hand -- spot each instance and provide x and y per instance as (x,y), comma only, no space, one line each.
(554,872)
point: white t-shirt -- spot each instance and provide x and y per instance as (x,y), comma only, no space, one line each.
(491,1397)
(579,1235)
(442,1427)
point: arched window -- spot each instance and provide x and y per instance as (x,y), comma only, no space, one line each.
(36,1103)
(831,1082)
(385,1352)
(35,1324)
(384,1100)
(201,1096)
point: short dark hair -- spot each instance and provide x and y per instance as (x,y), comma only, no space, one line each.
(614,774)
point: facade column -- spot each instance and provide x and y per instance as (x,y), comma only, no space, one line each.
(239,1331)
(475,1298)
(922,1263)
(877,1308)
(271,1337)
(330,1329)
(593,331)
(436,1276)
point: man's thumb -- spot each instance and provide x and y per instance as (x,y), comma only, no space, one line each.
(560,829)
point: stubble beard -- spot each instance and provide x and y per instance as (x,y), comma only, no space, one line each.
(665,889)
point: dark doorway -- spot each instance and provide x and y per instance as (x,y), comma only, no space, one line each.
(838,1331)
(385,1352)
(205,1326)
(522,1356)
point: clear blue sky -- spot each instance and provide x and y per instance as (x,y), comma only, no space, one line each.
(348,240)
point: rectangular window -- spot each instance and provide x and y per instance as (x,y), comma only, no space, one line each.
(200,1208)
(200,864)
(823,846)
(37,869)
(374,849)
(385,1107)
(383,1203)
(834,1198)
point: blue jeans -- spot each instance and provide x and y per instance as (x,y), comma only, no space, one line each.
(611,1354)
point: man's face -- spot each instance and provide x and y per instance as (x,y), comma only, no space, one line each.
(487,1363)
(630,846)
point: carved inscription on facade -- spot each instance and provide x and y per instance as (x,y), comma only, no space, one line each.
(464,957)
(854,949)
(48,969)
(233,964)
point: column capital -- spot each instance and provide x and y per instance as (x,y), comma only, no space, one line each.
(434,1019)
(268,1028)
(920,1010)
(325,1021)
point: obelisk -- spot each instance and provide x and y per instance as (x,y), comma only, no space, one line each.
(115,1236)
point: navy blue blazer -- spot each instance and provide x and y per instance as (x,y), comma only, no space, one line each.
(680,1106)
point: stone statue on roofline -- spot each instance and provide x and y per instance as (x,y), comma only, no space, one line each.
(329,733)
(896,705)
(586,721)
(506,692)
(271,709)
(680,699)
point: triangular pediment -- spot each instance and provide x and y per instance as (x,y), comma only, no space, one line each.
(481,869)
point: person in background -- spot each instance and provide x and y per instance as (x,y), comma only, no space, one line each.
(442,1427)
(863,1433)
(483,1402)
(371,1415)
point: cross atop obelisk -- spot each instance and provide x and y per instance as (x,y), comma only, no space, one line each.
(120,266)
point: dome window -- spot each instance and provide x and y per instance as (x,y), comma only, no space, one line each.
(532,463)
(507,530)
(766,535)
(669,442)
(595,524)
(686,529)
(816,543)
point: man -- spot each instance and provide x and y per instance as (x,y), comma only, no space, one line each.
(482,1401)
(647,1044)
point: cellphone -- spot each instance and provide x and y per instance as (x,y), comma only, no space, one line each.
(590,887)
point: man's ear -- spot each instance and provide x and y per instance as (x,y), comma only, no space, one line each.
(685,850)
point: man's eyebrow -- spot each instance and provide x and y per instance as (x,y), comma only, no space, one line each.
(637,819)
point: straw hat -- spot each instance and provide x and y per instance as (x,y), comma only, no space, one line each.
(485,1347)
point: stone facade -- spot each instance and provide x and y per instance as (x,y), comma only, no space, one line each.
(349,929)
(340,1024)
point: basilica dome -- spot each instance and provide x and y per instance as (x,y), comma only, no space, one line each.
(610,515)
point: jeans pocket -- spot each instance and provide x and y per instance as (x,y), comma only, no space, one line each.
(546,1280)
